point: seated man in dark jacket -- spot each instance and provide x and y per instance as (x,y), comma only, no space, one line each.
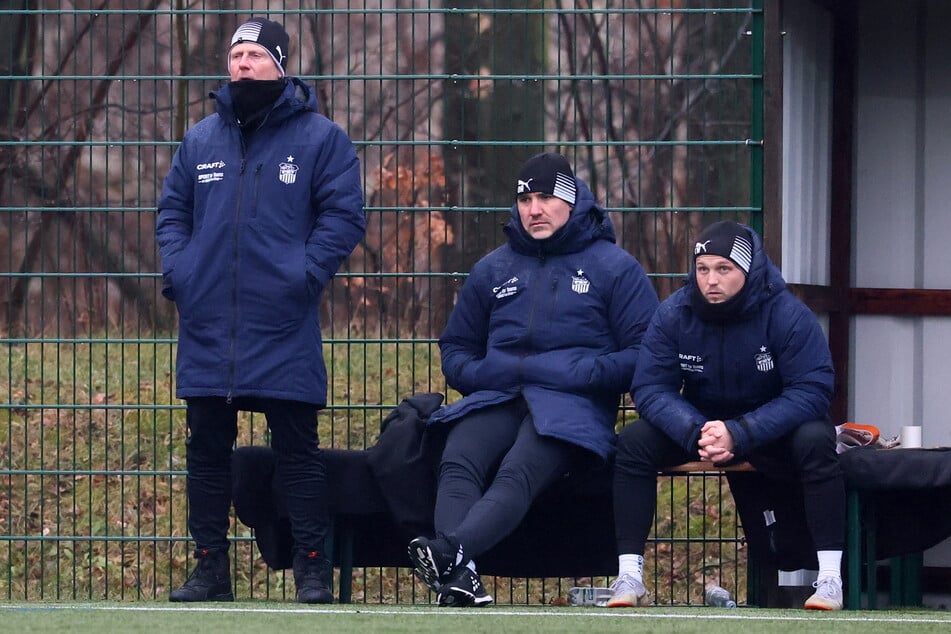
(541,344)
(732,367)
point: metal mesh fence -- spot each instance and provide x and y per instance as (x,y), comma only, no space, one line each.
(658,105)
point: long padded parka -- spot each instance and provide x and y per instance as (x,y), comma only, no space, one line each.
(558,321)
(250,233)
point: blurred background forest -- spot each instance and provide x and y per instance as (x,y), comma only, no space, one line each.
(651,101)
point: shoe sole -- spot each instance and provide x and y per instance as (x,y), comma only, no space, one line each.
(822,607)
(629,601)
(424,564)
(459,598)
(323,599)
(223,598)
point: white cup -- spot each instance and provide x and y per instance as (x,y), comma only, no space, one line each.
(910,436)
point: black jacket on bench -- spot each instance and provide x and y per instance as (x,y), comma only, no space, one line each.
(384,496)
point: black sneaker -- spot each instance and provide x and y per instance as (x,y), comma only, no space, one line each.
(209,581)
(464,589)
(313,575)
(435,559)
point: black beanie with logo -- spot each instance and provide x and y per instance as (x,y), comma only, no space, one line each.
(547,173)
(267,34)
(729,240)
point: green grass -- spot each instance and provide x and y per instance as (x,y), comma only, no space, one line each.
(289,618)
(92,492)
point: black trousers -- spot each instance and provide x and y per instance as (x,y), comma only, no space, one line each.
(493,466)
(806,454)
(300,471)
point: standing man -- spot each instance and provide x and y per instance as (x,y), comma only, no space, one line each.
(542,342)
(261,205)
(732,367)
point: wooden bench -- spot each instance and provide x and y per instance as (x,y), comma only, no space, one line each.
(706,467)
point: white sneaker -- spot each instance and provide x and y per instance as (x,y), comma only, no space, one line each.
(828,595)
(628,593)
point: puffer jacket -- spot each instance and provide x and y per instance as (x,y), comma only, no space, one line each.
(763,371)
(557,321)
(250,231)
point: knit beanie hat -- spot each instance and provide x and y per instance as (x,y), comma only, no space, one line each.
(727,239)
(547,173)
(269,35)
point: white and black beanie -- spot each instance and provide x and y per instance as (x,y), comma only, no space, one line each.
(547,173)
(269,35)
(729,240)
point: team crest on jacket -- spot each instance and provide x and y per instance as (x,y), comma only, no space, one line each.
(764,360)
(288,173)
(579,283)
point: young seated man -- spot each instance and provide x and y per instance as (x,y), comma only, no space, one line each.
(732,367)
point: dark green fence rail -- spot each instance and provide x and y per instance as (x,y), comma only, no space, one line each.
(658,105)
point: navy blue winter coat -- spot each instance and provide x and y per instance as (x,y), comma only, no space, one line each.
(250,232)
(558,321)
(764,369)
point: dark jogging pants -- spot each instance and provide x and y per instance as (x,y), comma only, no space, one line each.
(806,454)
(493,466)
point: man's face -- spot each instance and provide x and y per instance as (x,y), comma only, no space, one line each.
(250,61)
(542,214)
(718,278)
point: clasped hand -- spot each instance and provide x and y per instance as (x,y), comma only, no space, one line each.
(716,443)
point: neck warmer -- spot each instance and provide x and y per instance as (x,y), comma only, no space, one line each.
(253,99)
(722,312)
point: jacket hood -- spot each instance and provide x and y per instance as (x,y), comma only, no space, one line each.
(297,97)
(587,223)
(763,282)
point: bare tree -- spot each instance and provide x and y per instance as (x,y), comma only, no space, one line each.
(652,119)
(442,108)
(55,171)
(97,140)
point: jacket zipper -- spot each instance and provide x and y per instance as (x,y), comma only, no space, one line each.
(536,298)
(232,339)
(720,339)
(257,184)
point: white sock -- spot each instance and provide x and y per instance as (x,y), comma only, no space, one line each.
(830,563)
(631,565)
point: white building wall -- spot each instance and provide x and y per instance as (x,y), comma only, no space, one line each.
(936,239)
(886,214)
(807,108)
(901,220)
